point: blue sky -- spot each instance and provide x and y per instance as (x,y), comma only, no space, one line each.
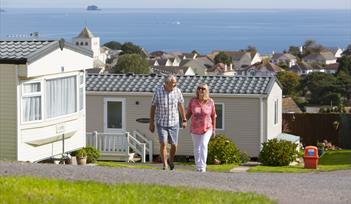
(254,4)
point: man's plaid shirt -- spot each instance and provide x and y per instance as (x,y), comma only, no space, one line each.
(167,114)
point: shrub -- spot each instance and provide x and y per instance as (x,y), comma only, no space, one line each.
(244,157)
(80,153)
(222,149)
(92,153)
(278,153)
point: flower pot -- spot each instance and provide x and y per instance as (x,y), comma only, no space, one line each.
(82,160)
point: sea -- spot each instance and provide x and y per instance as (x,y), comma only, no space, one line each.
(185,30)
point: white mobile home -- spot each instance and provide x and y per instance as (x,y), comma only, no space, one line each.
(42,98)
(249,109)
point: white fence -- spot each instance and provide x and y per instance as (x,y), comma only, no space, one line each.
(117,145)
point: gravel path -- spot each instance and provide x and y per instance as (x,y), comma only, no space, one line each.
(324,187)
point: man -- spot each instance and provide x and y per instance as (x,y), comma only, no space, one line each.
(166,102)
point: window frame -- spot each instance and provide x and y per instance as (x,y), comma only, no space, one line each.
(77,97)
(275,112)
(80,85)
(223,112)
(105,121)
(32,94)
(43,96)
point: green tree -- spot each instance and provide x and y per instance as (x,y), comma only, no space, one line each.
(294,50)
(195,52)
(221,57)
(290,81)
(114,45)
(131,63)
(344,84)
(130,48)
(347,51)
(311,46)
(345,64)
(323,88)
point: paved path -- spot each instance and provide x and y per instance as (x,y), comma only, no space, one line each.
(324,187)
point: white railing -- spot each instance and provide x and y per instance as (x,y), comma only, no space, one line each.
(109,142)
(144,144)
(119,144)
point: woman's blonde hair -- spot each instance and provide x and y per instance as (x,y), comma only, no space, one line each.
(206,93)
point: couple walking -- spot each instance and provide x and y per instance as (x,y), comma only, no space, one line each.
(166,104)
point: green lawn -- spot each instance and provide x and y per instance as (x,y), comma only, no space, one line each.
(124,165)
(330,161)
(39,190)
(180,166)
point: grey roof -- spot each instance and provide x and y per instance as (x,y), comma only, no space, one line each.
(283,56)
(85,33)
(23,51)
(148,83)
(320,56)
(181,70)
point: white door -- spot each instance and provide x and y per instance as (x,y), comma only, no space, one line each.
(114,115)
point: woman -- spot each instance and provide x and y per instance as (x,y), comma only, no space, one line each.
(201,110)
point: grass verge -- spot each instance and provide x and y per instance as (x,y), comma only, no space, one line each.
(125,165)
(39,190)
(330,161)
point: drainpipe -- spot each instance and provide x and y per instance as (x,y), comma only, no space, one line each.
(261,123)
(18,115)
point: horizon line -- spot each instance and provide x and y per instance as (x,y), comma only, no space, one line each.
(176,8)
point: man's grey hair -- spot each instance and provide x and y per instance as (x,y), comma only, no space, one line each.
(169,78)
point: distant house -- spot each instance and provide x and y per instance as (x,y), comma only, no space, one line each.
(320,58)
(221,69)
(205,61)
(175,61)
(165,70)
(289,106)
(284,58)
(240,59)
(198,67)
(303,68)
(42,98)
(261,69)
(249,109)
(336,51)
(153,62)
(164,62)
(87,40)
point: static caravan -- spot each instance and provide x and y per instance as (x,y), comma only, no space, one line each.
(42,98)
(249,109)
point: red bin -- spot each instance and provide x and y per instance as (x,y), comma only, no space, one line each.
(311,157)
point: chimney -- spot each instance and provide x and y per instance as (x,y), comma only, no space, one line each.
(301,49)
(231,67)
(225,67)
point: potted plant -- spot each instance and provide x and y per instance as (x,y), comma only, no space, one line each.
(81,156)
(92,154)
(320,146)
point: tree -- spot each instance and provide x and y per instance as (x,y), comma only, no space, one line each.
(290,81)
(195,52)
(114,45)
(294,50)
(130,48)
(310,47)
(345,64)
(131,63)
(347,51)
(323,88)
(221,57)
(344,84)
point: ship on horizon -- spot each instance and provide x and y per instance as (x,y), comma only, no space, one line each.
(93,8)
